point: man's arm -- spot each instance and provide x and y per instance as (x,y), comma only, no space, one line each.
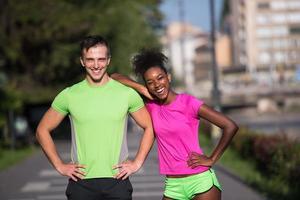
(49,122)
(125,80)
(143,119)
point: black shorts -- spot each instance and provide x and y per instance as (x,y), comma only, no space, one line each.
(99,189)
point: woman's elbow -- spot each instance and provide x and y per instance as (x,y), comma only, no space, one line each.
(233,127)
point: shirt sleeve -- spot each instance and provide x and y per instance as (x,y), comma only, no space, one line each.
(60,103)
(135,101)
(194,105)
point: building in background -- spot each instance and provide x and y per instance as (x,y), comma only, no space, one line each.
(180,42)
(184,41)
(203,66)
(266,38)
(224,51)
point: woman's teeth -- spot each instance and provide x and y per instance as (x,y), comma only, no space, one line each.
(160,90)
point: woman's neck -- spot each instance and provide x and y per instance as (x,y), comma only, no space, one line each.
(170,98)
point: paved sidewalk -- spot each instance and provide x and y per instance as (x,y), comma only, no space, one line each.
(35,179)
(233,187)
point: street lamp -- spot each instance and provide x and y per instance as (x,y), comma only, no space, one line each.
(181,40)
(215,93)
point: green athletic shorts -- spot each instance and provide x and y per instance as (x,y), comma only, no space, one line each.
(188,187)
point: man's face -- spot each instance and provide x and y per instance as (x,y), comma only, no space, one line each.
(95,60)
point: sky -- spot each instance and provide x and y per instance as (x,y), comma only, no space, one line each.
(196,12)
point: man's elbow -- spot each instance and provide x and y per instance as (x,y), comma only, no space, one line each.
(115,75)
(39,133)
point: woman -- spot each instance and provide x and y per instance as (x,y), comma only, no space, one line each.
(175,120)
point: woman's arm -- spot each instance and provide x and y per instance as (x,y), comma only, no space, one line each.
(229,129)
(131,83)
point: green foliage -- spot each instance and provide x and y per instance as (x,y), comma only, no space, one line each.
(269,163)
(243,142)
(9,157)
(9,99)
(224,12)
(39,43)
(276,158)
(39,39)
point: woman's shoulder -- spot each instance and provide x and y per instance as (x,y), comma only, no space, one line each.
(150,103)
(185,97)
(189,99)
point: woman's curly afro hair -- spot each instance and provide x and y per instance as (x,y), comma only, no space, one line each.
(148,58)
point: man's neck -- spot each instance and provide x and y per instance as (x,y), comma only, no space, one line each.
(101,82)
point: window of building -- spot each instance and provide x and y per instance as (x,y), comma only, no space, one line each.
(295,30)
(292,43)
(242,34)
(294,17)
(279,18)
(293,55)
(278,5)
(294,4)
(272,32)
(264,32)
(280,31)
(264,57)
(280,43)
(264,44)
(243,59)
(284,5)
(279,56)
(277,44)
(298,43)
(262,19)
(263,5)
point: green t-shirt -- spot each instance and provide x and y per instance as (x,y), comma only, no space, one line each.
(98,121)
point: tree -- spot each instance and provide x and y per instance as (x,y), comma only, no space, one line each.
(225,15)
(39,39)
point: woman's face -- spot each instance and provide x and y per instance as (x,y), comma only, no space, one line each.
(157,82)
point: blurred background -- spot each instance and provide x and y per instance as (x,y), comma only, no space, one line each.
(241,57)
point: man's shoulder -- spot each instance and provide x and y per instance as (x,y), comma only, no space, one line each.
(70,89)
(78,84)
(75,87)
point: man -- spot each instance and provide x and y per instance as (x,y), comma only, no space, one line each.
(98,108)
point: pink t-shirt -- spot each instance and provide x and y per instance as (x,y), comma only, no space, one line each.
(176,129)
